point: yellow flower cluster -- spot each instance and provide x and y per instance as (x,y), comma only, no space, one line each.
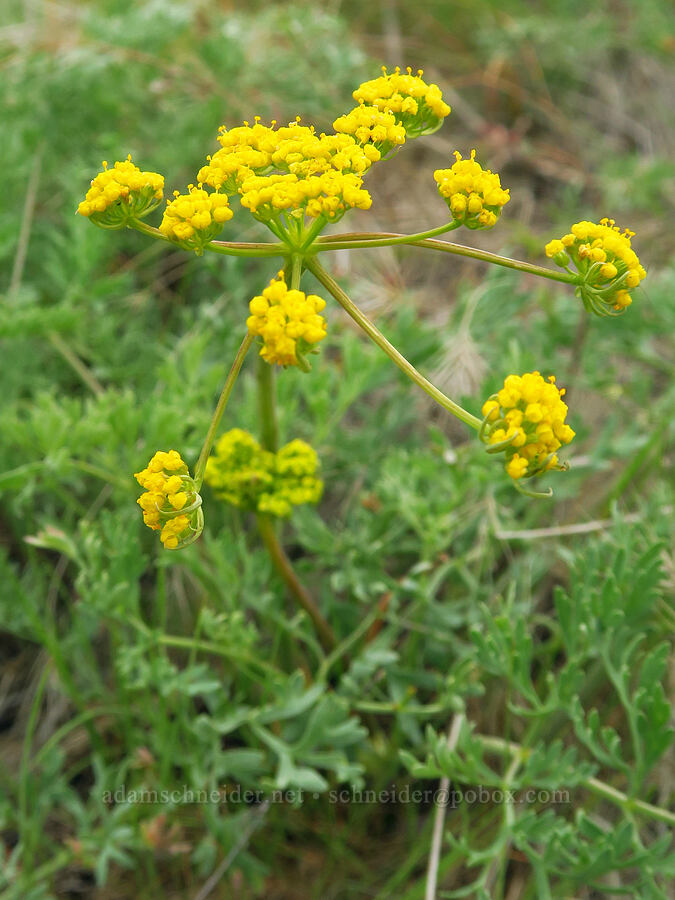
(322,153)
(295,149)
(372,127)
(329,194)
(419,107)
(170,504)
(604,256)
(195,218)
(245,475)
(526,421)
(474,195)
(227,168)
(265,139)
(295,480)
(122,193)
(283,173)
(288,321)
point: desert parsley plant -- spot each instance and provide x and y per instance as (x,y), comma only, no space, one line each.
(296,183)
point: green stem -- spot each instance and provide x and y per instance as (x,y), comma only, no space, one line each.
(270,441)
(296,271)
(232,248)
(499,865)
(594,785)
(386,239)
(403,707)
(220,408)
(283,566)
(269,427)
(312,233)
(188,643)
(383,239)
(397,358)
(229,248)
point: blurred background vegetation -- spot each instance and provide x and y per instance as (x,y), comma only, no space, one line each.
(115,346)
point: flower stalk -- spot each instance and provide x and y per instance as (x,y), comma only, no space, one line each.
(285,569)
(397,358)
(200,468)
(355,240)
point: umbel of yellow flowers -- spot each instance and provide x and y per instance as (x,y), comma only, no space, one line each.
(170,504)
(120,194)
(373,128)
(419,107)
(245,475)
(288,322)
(195,218)
(604,256)
(525,421)
(296,182)
(474,195)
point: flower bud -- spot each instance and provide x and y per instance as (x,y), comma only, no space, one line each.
(170,504)
(525,421)
(241,472)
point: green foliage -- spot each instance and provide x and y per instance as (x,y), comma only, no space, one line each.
(596,647)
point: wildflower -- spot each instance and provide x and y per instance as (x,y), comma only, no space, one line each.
(263,138)
(525,420)
(294,149)
(603,255)
(170,504)
(288,321)
(245,475)
(227,168)
(329,195)
(286,174)
(195,218)
(474,195)
(120,194)
(239,469)
(417,106)
(372,127)
(295,481)
(315,154)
